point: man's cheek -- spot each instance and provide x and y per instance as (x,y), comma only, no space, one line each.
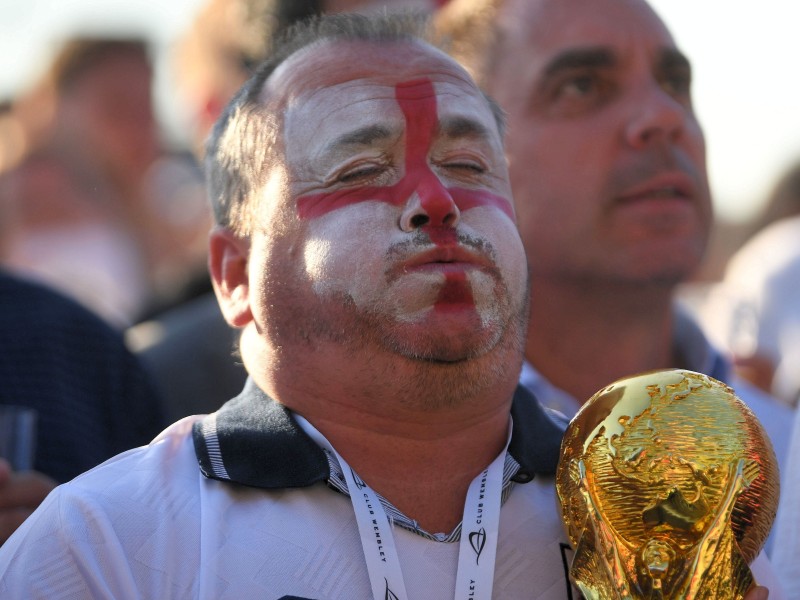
(509,255)
(501,234)
(330,256)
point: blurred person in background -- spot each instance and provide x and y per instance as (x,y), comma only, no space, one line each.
(761,289)
(754,311)
(783,201)
(607,162)
(92,396)
(122,234)
(58,229)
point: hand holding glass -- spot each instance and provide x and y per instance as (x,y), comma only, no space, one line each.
(18,436)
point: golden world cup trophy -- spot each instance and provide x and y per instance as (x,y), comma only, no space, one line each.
(668,486)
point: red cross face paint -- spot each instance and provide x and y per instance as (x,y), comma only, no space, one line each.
(438,206)
(417,99)
(401,198)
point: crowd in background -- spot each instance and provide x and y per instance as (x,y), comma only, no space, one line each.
(93,202)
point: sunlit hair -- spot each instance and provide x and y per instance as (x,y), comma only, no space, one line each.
(245,142)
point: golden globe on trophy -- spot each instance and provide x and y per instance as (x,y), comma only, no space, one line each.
(668,486)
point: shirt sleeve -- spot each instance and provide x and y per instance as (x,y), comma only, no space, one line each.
(764,574)
(82,558)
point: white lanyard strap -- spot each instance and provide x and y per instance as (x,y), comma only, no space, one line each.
(377,541)
(480,529)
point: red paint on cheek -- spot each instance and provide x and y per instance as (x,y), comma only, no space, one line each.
(417,100)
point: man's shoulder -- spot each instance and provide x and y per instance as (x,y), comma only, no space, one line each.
(168,460)
(141,488)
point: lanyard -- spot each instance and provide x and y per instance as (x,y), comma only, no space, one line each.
(480,529)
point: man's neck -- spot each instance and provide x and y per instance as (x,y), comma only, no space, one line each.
(582,339)
(399,425)
(423,469)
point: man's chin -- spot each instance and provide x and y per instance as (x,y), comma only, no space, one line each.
(446,347)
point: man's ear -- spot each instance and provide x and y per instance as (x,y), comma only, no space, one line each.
(228,256)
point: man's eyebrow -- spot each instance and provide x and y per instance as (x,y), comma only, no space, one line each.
(580,58)
(363,136)
(672,58)
(462,127)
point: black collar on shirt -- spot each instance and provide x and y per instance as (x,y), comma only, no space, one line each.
(253,440)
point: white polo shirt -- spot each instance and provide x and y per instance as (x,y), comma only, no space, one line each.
(260,522)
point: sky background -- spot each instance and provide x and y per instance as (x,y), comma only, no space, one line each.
(745,57)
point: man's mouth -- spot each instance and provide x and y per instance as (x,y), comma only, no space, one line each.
(670,186)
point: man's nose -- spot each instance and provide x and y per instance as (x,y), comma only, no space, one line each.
(431,204)
(655,116)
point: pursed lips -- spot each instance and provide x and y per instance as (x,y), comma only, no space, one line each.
(449,259)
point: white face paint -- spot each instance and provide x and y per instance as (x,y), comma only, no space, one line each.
(403,218)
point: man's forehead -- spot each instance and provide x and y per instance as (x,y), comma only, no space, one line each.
(331,63)
(553,25)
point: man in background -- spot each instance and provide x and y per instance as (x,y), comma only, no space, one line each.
(92,396)
(607,164)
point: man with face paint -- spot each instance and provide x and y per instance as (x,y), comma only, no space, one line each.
(366,247)
(190,349)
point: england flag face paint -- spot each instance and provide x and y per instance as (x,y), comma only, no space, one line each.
(400,193)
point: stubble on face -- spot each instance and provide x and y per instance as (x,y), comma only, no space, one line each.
(414,299)
(387,304)
(447,369)
(335,292)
